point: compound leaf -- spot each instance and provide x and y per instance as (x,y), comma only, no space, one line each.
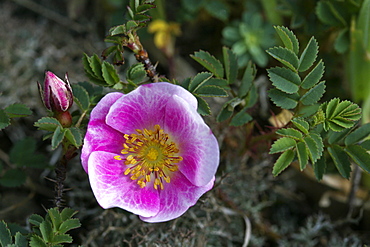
(301,124)
(289,39)
(290,132)
(314,76)
(314,94)
(285,56)
(284,79)
(282,144)
(309,55)
(209,62)
(283,162)
(282,99)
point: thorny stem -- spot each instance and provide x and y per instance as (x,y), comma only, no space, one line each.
(61,174)
(142,56)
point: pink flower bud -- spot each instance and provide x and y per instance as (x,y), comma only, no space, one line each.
(57,94)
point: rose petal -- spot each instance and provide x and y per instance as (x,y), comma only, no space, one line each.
(99,135)
(114,189)
(144,107)
(198,146)
(177,197)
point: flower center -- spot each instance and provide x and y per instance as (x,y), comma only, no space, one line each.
(150,156)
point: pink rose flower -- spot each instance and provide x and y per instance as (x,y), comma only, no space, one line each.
(149,152)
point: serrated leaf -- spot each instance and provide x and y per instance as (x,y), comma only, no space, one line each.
(4,119)
(81,97)
(282,144)
(366,145)
(336,137)
(55,218)
(228,109)
(67,213)
(314,76)
(209,62)
(217,82)
(211,91)
(289,39)
(283,100)
(18,110)
(302,155)
(358,135)
(284,79)
(110,74)
(231,65)
(47,123)
(241,118)
(283,162)
(319,168)
(120,29)
(46,230)
(285,56)
(5,236)
(90,73)
(37,241)
(96,66)
(136,73)
(199,80)
(319,143)
(203,107)
(74,136)
(57,138)
(341,160)
(309,55)
(64,238)
(20,240)
(312,148)
(314,94)
(186,83)
(290,132)
(359,155)
(301,124)
(246,82)
(69,225)
(13,178)
(35,219)
(341,115)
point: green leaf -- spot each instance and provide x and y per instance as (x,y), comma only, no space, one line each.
(289,39)
(4,119)
(364,23)
(203,107)
(340,115)
(341,44)
(340,160)
(67,213)
(90,73)
(209,62)
(302,155)
(37,241)
(13,178)
(309,55)
(47,123)
(246,82)
(284,79)
(313,150)
(336,137)
(228,109)
(20,240)
(301,124)
(283,162)
(314,94)
(319,143)
(218,9)
(359,155)
(69,225)
(81,97)
(64,238)
(285,56)
(74,136)
(136,73)
(120,29)
(35,219)
(366,145)
(57,138)
(319,168)
(110,73)
(55,218)
(231,65)
(211,91)
(18,110)
(241,118)
(96,66)
(290,132)
(283,100)
(46,230)
(314,76)
(358,135)
(282,144)
(199,80)
(5,236)
(217,82)
(28,158)
(327,13)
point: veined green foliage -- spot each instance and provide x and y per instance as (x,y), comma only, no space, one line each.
(309,55)
(285,56)
(302,154)
(301,124)
(314,76)
(314,94)
(289,39)
(283,162)
(282,144)
(341,160)
(284,100)
(284,79)
(209,62)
